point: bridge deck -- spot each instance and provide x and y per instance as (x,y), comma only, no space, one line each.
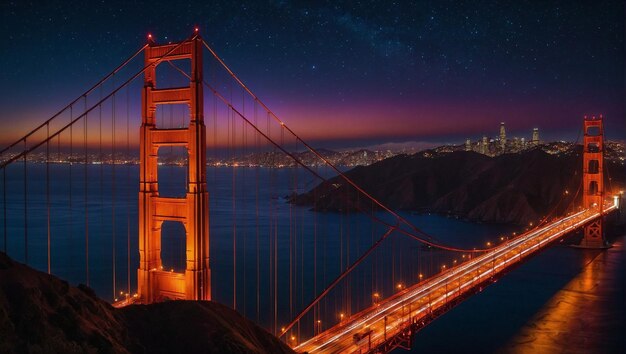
(391,322)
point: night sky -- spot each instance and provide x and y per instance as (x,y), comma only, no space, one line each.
(377,71)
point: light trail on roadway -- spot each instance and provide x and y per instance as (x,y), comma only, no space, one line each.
(386,320)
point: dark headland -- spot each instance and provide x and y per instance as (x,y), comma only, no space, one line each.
(40,313)
(516,188)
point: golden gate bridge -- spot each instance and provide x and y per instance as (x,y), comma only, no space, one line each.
(360,305)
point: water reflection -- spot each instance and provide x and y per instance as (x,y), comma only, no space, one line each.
(585,316)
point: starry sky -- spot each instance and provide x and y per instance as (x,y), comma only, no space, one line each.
(377,71)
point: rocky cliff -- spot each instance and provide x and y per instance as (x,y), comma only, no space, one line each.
(40,313)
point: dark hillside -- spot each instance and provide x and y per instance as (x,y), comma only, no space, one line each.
(512,188)
(40,313)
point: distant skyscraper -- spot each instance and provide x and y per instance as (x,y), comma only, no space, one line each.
(502,137)
(468,145)
(535,140)
(483,146)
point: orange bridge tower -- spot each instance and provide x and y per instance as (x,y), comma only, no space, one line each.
(154,283)
(593,180)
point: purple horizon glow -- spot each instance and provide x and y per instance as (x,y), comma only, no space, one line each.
(349,75)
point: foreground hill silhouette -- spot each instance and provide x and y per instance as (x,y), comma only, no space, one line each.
(40,313)
(514,188)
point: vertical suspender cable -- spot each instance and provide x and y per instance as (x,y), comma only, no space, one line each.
(274,235)
(256,197)
(231,123)
(315,313)
(101,182)
(243,193)
(373,263)
(301,247)
(113,192)
(25,208)
(128,183)
(48,189)
(4,206)
(393,263)
(86,199)
(70,225)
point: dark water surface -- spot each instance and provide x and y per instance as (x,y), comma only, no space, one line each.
(560,299)
(565,300)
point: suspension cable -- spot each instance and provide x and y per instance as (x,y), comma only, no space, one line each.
(48,191)
(299,162)
(4,207)
(128,166)
(118,68)
(62,129)
(336,281)
(25,209)
(432,242)
(318,155)
(85,201)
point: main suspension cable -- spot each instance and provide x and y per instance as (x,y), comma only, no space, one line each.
(103,80)
(65,127)
(325,160)
(317,175)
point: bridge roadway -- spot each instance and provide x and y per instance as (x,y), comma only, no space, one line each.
(392,322)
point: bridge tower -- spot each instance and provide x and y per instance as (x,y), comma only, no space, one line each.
(154,283)
(593,180)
